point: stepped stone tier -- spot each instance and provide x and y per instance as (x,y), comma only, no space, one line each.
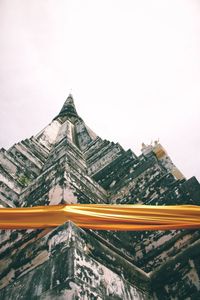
(68,163)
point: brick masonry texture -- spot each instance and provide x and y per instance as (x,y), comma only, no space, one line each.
(68,163)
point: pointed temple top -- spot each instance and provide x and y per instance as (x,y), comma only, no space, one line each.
(68,108)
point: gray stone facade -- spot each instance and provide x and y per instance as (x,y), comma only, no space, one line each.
(68,163)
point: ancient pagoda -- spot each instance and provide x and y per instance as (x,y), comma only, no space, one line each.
(68,163)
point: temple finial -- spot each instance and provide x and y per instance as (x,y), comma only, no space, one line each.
(68,108)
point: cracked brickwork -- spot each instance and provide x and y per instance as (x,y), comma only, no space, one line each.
(68,163)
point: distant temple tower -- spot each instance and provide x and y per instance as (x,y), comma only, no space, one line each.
(68,163)
(163,157)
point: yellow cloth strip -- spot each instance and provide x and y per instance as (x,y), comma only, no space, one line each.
(103,217)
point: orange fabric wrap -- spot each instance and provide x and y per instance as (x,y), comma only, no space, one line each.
(103,217)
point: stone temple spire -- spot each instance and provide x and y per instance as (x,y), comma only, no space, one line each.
(68,109)
(66,163)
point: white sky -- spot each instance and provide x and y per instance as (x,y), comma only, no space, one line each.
(133,67)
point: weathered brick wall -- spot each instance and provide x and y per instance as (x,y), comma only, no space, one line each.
(67,163)
(66,261)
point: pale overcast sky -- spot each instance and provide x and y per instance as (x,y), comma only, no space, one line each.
(133,67)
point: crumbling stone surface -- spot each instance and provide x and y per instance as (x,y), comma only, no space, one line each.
(67,262)
(68,163)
